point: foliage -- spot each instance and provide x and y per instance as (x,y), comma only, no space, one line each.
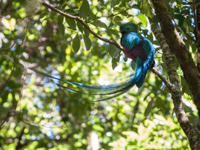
(36,114)
(156,134)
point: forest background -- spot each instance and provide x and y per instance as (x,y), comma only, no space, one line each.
(78,41)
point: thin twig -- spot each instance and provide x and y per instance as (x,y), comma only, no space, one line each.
(5,119)
(41,125)
(112,15)
(167,83)
(10,113)
(84,24)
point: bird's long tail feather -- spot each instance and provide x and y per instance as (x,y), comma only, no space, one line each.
(116,89)
(128,87)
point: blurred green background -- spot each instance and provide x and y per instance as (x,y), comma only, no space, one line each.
(36,114)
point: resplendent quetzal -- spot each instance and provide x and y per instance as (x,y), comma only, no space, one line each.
(137,48)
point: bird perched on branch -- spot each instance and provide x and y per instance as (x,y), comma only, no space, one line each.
(137,48)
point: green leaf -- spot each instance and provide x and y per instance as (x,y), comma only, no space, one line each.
(71,23)
(114,3)
(117,20)
(180,19)
(115,62)
(185,87)
(60,19)
(158,102)
(144,8)
(179,1)
(42,15)
(85,11)
(117,9)
(143,19)
(148,109)
(191,117)
(113,32)
(194,47)
(145,31)
(113,51)
(154,21)
(61,29)
(87,42)
(76,43)
(99,24)
(86,32)
(80,26)
(91,15)
(150,37)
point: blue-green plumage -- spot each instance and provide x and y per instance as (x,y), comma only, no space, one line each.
(137,48)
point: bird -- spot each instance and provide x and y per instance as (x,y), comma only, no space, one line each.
(137,48)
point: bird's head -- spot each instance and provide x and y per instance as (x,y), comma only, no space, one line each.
(128,27)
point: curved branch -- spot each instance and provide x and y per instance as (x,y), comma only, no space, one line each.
(84,24)
(176,93)
(168,84)
(178,47)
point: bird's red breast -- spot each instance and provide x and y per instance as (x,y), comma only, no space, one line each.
(136,51)
(130,54)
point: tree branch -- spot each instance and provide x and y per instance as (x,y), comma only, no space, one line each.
(196,7)
(178,47)
(195,22)
(120,12)
(36,125)
(176,93)
(168,84)
(84,24)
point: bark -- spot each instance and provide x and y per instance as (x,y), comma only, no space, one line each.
(176,93)
(197,30)
(178,47)
(170,42)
